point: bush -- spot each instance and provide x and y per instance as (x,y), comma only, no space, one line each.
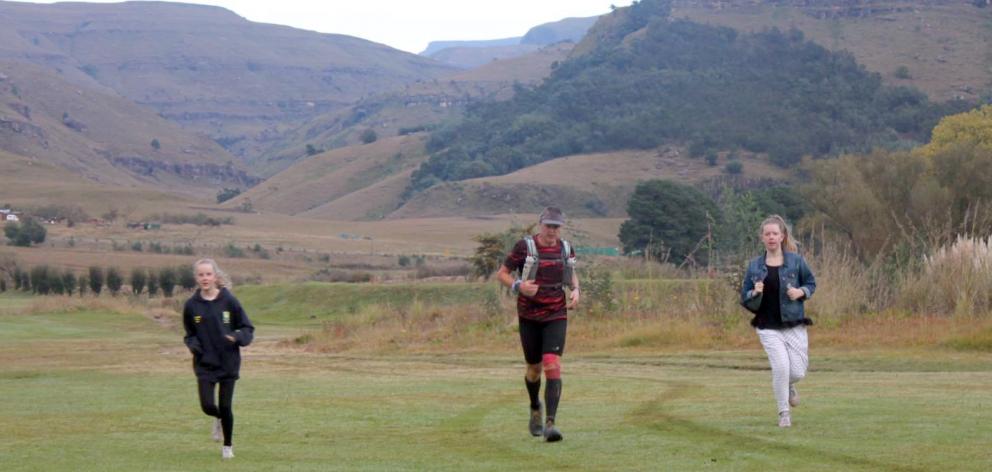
(152,280)
(339,275)
(233,251)
(55,283)
(40,280)
(96,280)
(187,280)
(136,246)
(734,168)
(26,233)
(138,280)
(69,282)
(227,193)
(369,136)
(114,281)
(167,280)
(84,284)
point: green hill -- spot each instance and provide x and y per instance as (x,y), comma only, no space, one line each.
(643,79)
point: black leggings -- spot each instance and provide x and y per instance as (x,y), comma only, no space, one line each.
(223,411)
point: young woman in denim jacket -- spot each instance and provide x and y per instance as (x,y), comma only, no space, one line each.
(775,286)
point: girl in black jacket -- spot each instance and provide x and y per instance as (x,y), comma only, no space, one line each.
(216,328)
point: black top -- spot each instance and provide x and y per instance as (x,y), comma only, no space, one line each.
(769,315)
(207,322)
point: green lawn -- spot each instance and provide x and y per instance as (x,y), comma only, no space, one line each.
(100,391)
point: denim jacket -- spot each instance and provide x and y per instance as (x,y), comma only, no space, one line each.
(794,272)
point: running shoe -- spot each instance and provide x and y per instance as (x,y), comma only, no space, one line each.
(551,434)
(535,422)
(218,432)
(784,420)
(793,396)
(227,452)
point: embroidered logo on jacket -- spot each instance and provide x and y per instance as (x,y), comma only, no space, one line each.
(197,319)
(227,317)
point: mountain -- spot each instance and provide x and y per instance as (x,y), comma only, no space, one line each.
(568,29)
(938,46)
(434,46)
(105,138)
(416,107)
(241,83)
(471,54)
(355,182)
(642,79)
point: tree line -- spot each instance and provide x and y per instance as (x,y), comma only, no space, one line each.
(48,280)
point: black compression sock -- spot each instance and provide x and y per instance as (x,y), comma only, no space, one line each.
(552,393)
(533,389)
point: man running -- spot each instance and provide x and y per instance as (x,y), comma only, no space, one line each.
(538,269)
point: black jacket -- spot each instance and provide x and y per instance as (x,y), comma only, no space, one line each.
(215,357)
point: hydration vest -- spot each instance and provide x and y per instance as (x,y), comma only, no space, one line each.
(529,271)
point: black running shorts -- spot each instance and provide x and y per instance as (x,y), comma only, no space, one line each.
(542,337)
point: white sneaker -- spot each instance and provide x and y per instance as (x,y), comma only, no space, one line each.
(793,396)
(227,452)
(218,432)
(784,420)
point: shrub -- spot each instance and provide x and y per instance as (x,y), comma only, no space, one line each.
(69,282)
(152,280)
(369,136)
(187,280)
(84,284)
(227,193)
(26,233)
(114,280)
(233,251)
(167,280)
(139,278)
(734,167)
(96,280)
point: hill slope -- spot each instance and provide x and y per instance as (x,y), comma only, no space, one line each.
(943,45)
(587,185)
(642,79)
(414,107)
(373,176)
(206,67)
(104,137)
(31,183)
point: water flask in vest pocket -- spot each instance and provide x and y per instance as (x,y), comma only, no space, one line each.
(529,272)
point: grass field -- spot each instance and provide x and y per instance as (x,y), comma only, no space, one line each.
(109,389)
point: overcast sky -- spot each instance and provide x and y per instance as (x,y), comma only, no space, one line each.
(410,24)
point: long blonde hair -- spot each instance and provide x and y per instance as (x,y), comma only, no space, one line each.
(787,243)
(223,281)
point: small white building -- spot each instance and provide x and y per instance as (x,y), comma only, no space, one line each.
(11,217)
